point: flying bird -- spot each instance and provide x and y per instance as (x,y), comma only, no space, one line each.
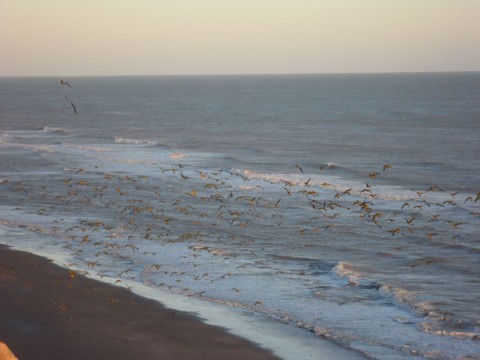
(73,105)
(64,83)
(299,168)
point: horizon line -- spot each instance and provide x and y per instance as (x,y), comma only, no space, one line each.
(245,74)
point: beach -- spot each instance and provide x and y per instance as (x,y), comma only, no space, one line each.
(48,312)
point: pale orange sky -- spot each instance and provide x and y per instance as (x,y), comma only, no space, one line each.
(156,37)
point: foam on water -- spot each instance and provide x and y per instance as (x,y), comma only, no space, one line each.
(287,342)
(121,140)
(56,130)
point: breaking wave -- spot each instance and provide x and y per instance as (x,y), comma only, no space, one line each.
(121,140)
(56,130)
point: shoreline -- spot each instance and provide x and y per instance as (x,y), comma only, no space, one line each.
(280,340)
(47,312)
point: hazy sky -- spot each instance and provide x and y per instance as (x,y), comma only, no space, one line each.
(140,37)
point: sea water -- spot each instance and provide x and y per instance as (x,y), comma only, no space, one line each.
(346,207)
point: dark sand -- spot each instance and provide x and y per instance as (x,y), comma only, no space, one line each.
(45,313)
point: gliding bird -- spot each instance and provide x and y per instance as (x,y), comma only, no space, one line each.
(73,105)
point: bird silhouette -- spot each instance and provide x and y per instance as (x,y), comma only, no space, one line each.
(386,166)
(73,105)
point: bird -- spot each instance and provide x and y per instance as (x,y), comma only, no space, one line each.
(410,221)
(62,82)
(394,231)
(73,105)
(435,188)
(455,225)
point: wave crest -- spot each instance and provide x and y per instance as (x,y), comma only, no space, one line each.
(56,130)
(177,155)
(405,299)
(353,277)
(121,140)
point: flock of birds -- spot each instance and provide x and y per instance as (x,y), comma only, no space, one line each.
(64,83)
(224,215)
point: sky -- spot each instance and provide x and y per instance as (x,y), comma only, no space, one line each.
(170,37)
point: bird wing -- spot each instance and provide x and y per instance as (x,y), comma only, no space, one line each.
(73,105)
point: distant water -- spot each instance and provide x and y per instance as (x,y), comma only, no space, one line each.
(347,205)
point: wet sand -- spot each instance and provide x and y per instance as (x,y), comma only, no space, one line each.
(48,313)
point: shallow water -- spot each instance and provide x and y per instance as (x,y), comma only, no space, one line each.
(263,193)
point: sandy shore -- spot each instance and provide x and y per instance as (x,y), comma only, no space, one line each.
(48,313)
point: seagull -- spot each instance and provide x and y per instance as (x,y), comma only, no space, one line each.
(64,83)
(73,105)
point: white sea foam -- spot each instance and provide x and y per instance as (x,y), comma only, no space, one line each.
(56,130)
(37,228)
(88,148)
(334,184)
(177,155)
(121,140)
(457,334)
(127,161)
(352,276)
(405,299)
(34,147)
(347,271)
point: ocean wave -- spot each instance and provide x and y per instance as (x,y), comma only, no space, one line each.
(33,227)
(273,178)
(127,161)
(56,130)
(422,313)
(33,147)
(177,155)
(87,148)
(330,166)
(445,323)
(353,277)
(332,183)
(456,334)
(405,300)
(121,140)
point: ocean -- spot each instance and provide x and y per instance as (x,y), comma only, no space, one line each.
(344,206)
